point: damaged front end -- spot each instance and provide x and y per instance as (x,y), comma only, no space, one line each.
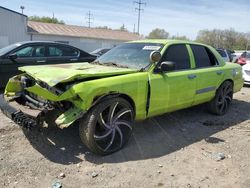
(29,103)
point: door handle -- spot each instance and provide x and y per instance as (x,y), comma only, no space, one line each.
(191,76)
(219,72)
(41,61)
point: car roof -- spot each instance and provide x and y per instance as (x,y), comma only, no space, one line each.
(31,42)
(167,41)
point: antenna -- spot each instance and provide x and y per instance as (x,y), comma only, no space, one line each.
(139,9)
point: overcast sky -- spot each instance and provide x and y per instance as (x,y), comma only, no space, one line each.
(182,17)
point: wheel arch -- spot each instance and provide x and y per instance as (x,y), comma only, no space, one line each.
(99,99)
(229,80)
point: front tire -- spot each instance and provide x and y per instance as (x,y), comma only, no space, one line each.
(107,127)
(222,100)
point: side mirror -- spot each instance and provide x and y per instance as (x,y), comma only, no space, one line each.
(167,66)
(155,56)
(12,56)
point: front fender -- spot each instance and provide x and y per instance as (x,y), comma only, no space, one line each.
(132,85)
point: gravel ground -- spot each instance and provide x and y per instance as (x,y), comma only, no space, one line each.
(188,148)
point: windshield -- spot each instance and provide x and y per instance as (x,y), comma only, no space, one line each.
(131,55)
(8,48)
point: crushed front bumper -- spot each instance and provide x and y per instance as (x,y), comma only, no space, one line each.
(18,116)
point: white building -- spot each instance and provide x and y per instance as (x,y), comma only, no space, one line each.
(15,27)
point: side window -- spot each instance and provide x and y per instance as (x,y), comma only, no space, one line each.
(203,56)
(39,51)
(222,53)
(179,55)
(31,51)
(57,51)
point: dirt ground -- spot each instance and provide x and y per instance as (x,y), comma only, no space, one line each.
(180,149)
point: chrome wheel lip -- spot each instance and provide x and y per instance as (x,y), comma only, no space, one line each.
(114,127)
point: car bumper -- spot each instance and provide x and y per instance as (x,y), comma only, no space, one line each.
(246,73)
(18,116)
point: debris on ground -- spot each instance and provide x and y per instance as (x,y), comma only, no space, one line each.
(62,175)
(56,184)
(94,174)
(214,140)
(218,156)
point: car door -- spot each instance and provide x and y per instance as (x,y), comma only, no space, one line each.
(58,54)
(208,71)
(172,90)
(25,55)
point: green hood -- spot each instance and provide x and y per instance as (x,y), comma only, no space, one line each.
(54,74)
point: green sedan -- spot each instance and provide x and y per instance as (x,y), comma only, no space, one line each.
(133,81)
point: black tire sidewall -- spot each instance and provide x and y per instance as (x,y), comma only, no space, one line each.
(87,124)
(213,107)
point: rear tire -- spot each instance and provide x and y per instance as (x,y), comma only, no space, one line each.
(222,100)
(107,127)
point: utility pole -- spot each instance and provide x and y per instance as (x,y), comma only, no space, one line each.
(139,9)
(89,18)
(22,8)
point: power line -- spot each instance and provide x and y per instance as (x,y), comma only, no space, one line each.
(89,18)
(139,9)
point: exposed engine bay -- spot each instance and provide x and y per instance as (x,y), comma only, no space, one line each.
(30,110)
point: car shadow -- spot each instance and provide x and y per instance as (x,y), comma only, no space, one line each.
(152,138)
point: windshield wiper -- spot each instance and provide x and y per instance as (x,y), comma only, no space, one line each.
(109,64)
(145,68)
(115,64)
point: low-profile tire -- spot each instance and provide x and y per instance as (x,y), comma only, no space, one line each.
(107,127)
(219,105)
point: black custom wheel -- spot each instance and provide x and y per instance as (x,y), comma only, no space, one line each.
(107,127)
(222,100)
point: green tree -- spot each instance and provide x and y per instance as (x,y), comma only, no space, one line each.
(179,37)
(46,19)
(228,38)
(158,34)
